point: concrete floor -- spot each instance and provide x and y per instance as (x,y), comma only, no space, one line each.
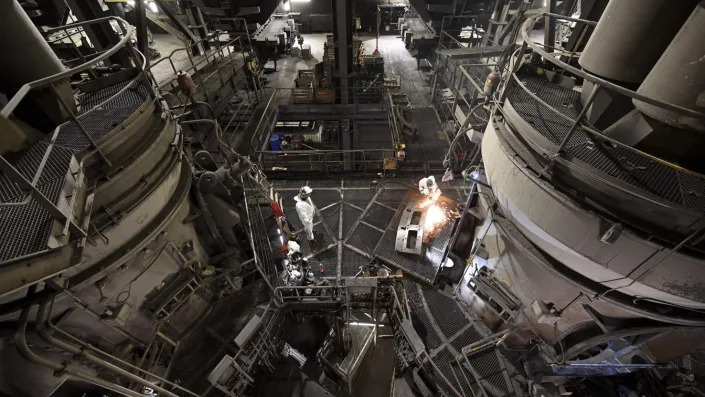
(397,61)
(432,142)
(165,44)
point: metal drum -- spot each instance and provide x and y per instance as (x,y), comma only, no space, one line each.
(679,76)
(631,36)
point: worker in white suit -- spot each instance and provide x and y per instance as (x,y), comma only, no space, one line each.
(306,211)
(429,188)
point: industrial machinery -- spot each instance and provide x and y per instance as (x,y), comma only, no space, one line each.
(591,202)
(150,245)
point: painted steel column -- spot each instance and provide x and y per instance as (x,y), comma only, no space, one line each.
(101,35)
(342,38)
(141,25)
(343,43)
(679,76)
(549,33)
(29,58)
(617,49)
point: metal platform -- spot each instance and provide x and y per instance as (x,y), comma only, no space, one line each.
(26,229)
(355,223)
(642,173)
(425,266)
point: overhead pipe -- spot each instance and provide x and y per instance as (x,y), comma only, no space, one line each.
(41,329)
(29,355)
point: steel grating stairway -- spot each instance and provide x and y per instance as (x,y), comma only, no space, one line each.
(675,186)
(26,229)
(445,328)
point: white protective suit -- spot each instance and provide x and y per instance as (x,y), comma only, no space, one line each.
(429,190)
(306,211)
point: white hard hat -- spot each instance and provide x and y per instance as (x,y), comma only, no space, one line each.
(293,246)
(306,190)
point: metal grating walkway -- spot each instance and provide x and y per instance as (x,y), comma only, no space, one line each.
(679,187)
(446,327)
(26,229)
(425,266)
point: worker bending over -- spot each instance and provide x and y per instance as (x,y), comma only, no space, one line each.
(429,188)
(306,210)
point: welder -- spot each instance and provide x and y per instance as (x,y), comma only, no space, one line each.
(429,188)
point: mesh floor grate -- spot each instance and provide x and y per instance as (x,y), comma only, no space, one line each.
(26,229)
(448,315)
(425,265)
(618,162)
(351,262)
(422,325)
(378,216)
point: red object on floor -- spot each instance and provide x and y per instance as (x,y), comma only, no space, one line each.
(276,209)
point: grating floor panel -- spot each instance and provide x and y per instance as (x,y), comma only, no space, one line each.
(26,229)
(350,216)
(618,162)
(450,378)
(364,238)
(469,336)
(351,262)
(448,315)
(325,197)
(331,216)
(378,216)
(358,197)
(425,265)
(391,196)
(329,260)
(422,325)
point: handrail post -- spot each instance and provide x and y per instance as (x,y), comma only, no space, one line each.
(570,133)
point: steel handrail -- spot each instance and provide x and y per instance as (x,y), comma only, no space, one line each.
(205,56)
(27,87)
(526,36)
(599,135)
(264,116)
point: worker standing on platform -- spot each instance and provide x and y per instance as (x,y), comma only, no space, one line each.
(306,210)
(429,188)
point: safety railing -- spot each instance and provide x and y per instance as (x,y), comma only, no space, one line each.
(329,161)
(262,132)
(259,229)
(395,127)
(309,294)
(267,115)
(29,184)
(219,61)
(623,157)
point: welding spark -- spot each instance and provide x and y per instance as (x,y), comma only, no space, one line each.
(435,216)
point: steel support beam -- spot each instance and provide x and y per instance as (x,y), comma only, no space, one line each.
(181,27)
(141,25)
(343,41)
(101,35)
(549,33)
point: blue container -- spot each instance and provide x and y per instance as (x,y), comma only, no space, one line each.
(275,143)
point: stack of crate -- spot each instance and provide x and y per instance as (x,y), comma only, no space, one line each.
(303,93)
